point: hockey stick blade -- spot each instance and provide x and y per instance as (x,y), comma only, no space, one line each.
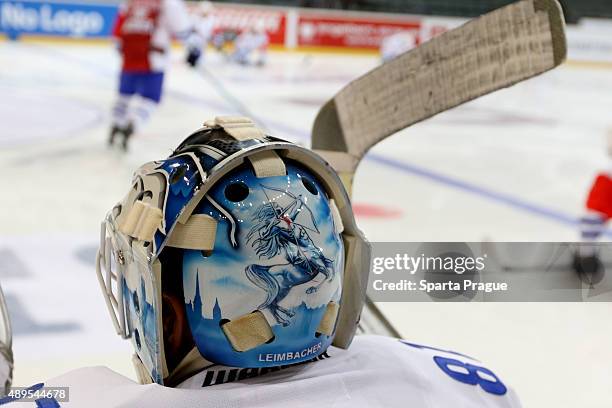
(494,51)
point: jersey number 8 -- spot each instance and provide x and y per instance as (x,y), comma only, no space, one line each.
(471,374)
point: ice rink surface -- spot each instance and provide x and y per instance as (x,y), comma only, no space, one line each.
(513,166)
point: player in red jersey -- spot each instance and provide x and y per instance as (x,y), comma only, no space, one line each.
(144,30)
(593,224)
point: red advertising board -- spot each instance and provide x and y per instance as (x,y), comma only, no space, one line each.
(240,18)
(301,27)
(354,32)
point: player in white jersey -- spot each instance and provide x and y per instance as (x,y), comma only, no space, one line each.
(203,21)
(237,270)
(251,46)
(144,30)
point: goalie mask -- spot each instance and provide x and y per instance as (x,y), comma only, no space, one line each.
(273,268)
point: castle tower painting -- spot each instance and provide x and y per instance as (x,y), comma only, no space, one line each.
(195,308)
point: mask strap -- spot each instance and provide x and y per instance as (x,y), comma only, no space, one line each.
(328,322)
(197,233)
(267,164)
(248,331)
(239,127)
(338,224)
(142,221)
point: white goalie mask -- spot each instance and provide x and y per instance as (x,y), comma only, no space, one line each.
(273,267)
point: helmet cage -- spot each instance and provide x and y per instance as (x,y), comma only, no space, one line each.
(6,345)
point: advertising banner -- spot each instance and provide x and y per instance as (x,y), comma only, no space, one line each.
(289,27)
(56,18)
(236,18)
(348,31)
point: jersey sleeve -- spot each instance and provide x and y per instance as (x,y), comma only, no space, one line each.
(119,20)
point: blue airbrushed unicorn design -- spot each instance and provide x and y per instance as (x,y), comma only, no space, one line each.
(276,231)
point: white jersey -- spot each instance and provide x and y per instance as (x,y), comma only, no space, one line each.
(374,372)
(250,41)
(247,44)
(205,27)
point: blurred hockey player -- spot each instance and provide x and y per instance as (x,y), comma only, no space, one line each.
(144,30)
(236,268)
(251,46)
(222,39)
(6,350)
(593,223)
(204,25)
(397,44)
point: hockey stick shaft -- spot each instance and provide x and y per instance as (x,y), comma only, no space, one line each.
(494,51)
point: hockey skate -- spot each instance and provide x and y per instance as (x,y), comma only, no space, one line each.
(589,268)
(123,132)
